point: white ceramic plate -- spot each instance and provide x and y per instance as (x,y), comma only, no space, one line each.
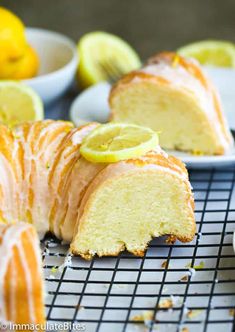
(92,105)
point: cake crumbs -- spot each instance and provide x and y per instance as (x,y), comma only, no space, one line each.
(232,312)
(167,303)
(145,317)
(193,313)
(170,302)
(184,278)
(54,269)
(185,329)
(164,264)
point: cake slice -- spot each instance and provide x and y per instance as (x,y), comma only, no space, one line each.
(130,202)
(69,176)
(173,96)
(21,280)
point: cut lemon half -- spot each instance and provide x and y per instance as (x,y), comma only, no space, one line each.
(19,103)
(100,49)
(211,52)
(116,141)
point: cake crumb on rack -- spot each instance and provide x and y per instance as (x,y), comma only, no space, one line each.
(167,303)
(193,313)
(185,329)
(164,264)
(232,312)
(184,278)
(146,317)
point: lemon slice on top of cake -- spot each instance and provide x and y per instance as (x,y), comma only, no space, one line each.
(129,201)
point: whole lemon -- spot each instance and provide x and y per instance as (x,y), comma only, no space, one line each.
(22,68)
(12,36)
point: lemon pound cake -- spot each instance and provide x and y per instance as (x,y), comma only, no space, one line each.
(43,175)
(130,202)
(21,285)
(172,95)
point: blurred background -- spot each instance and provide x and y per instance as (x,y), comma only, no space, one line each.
(149,25)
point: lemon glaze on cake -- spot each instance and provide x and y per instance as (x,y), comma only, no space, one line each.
(21,280)
(55,189)
(177,99)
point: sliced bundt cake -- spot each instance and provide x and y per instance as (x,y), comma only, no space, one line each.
(104,207)
(172,95)
(130,202)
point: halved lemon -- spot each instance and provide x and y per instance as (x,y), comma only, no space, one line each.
(117,141)
(211,52)
(99,49)
(19,103)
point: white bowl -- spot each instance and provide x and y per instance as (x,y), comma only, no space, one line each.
(58,63)
(224,80)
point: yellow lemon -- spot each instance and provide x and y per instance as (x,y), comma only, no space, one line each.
(19,103)
(95,49)
(12,36)
(211,52)
(24,67)
(118,141)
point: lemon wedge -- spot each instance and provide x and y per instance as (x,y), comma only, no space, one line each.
(19,103)
(211,52)
(117,141)
(96,49)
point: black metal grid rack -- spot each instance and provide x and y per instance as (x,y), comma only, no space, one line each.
(128,293)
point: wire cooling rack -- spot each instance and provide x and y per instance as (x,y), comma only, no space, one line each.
(180,287)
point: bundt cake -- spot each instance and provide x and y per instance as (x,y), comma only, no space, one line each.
(104,208)
(130,202)
(172,95)
(21,285)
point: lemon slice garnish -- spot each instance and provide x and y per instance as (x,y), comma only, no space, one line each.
(19,103)
(211,52)
(96,50)
(116,141)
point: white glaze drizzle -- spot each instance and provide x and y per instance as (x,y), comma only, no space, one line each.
(10,239)
(7,181)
